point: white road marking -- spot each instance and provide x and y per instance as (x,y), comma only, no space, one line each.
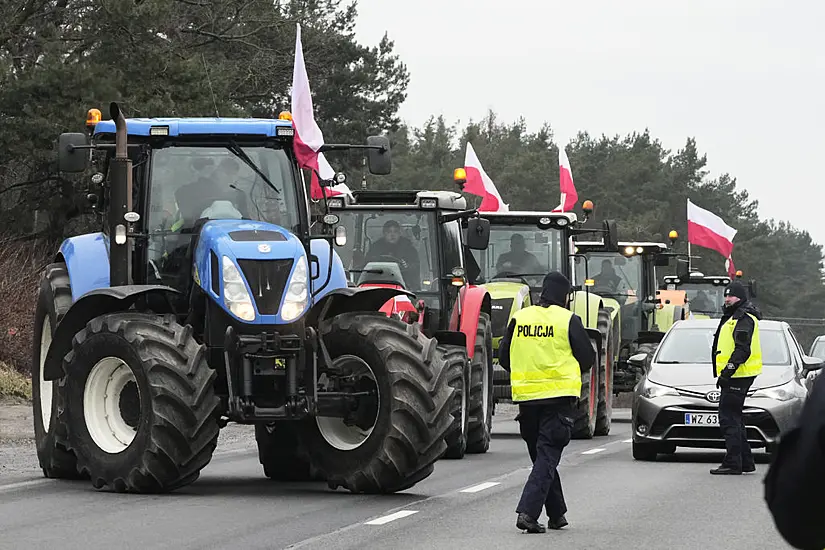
(480,487)
(627,441)
(23,484)
(391,517)
(592,451)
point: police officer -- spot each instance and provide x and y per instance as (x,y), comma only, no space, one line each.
(737,362)
(545,350)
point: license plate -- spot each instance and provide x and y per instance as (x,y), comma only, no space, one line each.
(692,419)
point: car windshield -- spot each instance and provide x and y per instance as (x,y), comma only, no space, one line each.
(521,251)
(192,182)
(390,247)
(704,298)
(614,275)
(693,345)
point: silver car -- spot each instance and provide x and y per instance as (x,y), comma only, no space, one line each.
(676,404)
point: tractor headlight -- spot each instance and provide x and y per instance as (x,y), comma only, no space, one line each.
(297,293)
(235,295)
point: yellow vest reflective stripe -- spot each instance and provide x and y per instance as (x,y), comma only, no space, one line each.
(542,364)
(753,365)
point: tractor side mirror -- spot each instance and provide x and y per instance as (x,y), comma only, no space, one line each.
(661,261)
(73,152)
(478,233)
(611,236)
(752,288)
(682,269)
(380,158)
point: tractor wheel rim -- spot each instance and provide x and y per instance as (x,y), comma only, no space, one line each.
(111,390)
(45,387)
(333,429)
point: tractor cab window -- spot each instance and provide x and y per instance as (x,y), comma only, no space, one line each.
(391,247)
(521,252)
(704,299)
(614,275)
(188,183)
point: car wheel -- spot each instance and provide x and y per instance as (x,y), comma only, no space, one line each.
(644,451)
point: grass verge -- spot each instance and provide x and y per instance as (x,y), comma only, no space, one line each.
(14,385)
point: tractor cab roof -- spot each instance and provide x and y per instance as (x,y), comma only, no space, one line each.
(698,278)
(400,199)
(176,126)
(626,248)
(543,220)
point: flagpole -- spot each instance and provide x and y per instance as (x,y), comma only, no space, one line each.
(690,259)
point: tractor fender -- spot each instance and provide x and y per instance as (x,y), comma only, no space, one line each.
(80,253)
(580,304)
(347,299)
(596,335)
(473,300)
(93,304)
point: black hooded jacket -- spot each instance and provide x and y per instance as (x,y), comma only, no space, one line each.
(554,294)
(742,334)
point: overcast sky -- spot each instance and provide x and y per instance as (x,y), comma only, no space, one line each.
(743,77)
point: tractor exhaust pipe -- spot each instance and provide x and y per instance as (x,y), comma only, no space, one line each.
(120,202)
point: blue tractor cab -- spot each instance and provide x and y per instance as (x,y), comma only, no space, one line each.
(204,299)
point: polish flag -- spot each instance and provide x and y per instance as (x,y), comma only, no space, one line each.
(308,137)
(569,197)
(480,184)
(707,229)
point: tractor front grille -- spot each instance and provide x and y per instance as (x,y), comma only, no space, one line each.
(267,280)
(500,315)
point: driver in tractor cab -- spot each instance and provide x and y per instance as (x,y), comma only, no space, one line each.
(701,302)
(518,260)
(608,277)
(401,249)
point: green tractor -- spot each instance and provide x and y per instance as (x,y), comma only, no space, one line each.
(705,293)
(545,239)
(625,279)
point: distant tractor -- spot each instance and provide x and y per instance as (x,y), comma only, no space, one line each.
(414,240)
(545,239)
(204,300)
(626,281)
(705,293)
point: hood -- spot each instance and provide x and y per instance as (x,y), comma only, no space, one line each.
(696,376)
(555,289)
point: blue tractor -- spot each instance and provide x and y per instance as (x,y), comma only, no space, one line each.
(205,299)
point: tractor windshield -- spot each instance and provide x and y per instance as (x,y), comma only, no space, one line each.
(192,182)
(703,298)
(615,276)
(391,247)
(522,252)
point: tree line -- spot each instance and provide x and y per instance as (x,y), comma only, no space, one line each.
(58,58)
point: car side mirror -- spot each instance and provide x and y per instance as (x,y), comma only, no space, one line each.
(380,157)
(811,364)
(73,152)
(638,360)
(478,233)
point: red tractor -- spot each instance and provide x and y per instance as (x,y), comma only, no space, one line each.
(420,241)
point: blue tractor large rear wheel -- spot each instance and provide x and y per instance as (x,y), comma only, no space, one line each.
(401,434)
(141,407)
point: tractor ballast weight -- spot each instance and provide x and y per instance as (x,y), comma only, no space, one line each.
(511,291)
(155,332)
(446,305)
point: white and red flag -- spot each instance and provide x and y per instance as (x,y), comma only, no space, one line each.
(480,184)
(707,229)
(569,196)
(308,137)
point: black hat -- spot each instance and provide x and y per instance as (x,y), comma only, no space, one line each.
(736,289)
(554,289)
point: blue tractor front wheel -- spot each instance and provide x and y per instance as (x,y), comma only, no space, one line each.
(141,411)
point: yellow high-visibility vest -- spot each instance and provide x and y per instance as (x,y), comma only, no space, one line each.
(542,364)
(726,344)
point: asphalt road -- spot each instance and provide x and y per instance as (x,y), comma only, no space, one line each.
(615,502)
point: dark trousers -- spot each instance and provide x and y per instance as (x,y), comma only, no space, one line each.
(547,430)
(731,403)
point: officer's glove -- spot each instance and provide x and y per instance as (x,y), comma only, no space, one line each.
(722,382)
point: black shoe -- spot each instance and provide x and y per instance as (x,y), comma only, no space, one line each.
(726,471)
(749,469)
(526,523)
(557,523)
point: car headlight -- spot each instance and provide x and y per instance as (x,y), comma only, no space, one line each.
(235,295)
(785,392)
(297,293)
(651,390)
